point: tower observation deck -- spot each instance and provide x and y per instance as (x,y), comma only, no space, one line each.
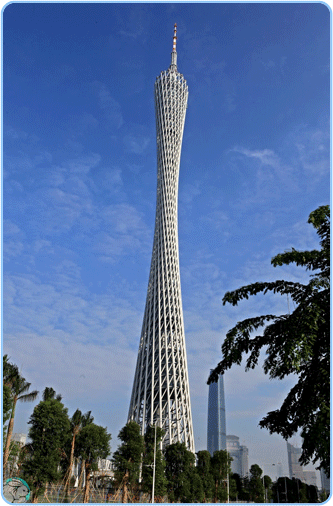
(161,394)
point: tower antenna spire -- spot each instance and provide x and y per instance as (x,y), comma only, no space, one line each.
(174,38)
(174,52)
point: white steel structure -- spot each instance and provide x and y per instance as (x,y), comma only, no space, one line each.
(161,392)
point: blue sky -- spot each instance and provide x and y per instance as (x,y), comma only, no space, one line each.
(79,190)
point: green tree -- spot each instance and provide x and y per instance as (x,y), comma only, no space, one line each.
(256,486)
(297,491)
(153,440)
(18,391)
(8,371)
(296,343)
(239,488)
(245,489)
(268,488)
(204,469)
(233,492)
(312,493)
(179,462)
(196,486)
(280,491)
(221,471)
(77,422)
(93,443)
(50,393)
(48,433)
(127,459)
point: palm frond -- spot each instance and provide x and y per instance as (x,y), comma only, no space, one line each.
(28,397)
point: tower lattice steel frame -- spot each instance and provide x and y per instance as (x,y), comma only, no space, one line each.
(161,393)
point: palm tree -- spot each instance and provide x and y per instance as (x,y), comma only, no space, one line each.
(9,371)
(78,421)
(18,387)
(49,393)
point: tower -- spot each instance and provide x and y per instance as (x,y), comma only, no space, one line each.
(216,426)
(161,393)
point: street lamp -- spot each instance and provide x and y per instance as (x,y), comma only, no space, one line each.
(154,466)
(263,478)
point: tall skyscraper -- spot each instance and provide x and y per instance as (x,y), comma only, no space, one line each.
(216,426)
(161,393)
(296,470)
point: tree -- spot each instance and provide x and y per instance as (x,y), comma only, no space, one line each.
(18,388)
(196,486)
(280,490)
(204,469)
(312,493)
(128,458)
(240,489)
(93,443)
(49,433)
(153,440)
(9,371)
(50,393)
(179,463)
(296,343)
(77,422)
(256,487)
(221,469)
(267,488)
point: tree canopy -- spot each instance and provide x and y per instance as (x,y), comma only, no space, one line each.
(179,472)
(221,468)
(93,443)
(295,343)
(15,389)
(152,445)
(48,433)
(127,458)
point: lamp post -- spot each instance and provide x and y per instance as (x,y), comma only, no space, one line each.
(263,478)
(263,482)
(154,466)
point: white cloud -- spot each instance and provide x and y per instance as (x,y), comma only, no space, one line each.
(189,192)
(125,232)
(17,134)
(300,163)
(13,244)
(109,105)
(136,144)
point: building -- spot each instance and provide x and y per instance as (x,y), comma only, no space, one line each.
(13,460)
(19,437)
(161,393)
(295,468)
(325,482)
(216,425)
(310,478)
(240,456)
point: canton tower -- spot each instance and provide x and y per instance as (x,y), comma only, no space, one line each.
(161,394)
